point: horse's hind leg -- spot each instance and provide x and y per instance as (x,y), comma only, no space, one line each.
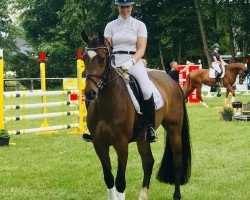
(190,90)
(199,88)
(103,154)
(147,165)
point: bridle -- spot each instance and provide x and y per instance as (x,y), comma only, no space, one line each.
(104,77)
(243,74)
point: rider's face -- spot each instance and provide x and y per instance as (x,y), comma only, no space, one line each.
(125,11)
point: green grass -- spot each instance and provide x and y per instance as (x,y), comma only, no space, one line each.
(62,166)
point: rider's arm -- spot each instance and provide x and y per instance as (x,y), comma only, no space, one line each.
(141,41)
(222,61)
(215,60)
(141,47)
(184,69)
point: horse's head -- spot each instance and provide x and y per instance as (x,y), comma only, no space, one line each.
(243,73)
(96,58)
(238,69)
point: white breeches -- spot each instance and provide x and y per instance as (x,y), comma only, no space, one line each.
(216,66)
(138,70)
(140,73)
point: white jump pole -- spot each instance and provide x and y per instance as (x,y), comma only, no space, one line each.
(39,116)
(43,129)
(39,93)
(40,105)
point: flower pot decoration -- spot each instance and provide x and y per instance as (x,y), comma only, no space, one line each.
(4,137)
(227,113)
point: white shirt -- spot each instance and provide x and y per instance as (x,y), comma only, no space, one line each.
(124,34)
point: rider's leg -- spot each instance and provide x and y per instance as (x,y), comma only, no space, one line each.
(141,75)
(218,72)
(149,112)
(217,79)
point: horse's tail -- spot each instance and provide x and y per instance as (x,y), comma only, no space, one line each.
(166,172)
(187,87)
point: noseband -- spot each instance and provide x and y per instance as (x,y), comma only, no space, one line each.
(104,76)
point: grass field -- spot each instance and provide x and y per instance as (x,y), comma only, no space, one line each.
(63,167)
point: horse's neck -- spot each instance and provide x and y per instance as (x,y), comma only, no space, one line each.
(114,93)
(234,69)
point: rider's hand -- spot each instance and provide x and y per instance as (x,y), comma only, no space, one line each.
(123,73)
(127,65)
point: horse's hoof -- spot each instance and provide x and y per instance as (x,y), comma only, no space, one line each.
(143,194)
(177,197)
(87,137)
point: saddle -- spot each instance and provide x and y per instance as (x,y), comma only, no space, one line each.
(212,72)
(135,87)
(137,99)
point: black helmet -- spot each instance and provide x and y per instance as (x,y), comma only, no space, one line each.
(216,45)
(124,2)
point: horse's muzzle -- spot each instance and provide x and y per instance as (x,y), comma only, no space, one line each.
(90,95)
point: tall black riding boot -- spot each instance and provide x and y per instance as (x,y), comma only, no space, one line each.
(149,114)
(217,79)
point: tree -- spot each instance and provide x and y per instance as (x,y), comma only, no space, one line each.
(7,33)
(203,31)
(177,29)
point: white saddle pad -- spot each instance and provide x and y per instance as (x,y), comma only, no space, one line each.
(157,98)
(212,72)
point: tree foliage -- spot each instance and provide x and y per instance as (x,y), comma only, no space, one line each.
(54,27)
(7,33)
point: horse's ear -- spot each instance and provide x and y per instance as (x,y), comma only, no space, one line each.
(101,37)
(85,37)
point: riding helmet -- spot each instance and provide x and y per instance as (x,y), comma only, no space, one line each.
(216,45)
(124,2)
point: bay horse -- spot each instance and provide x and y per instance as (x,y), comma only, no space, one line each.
(196,78)
(111,117)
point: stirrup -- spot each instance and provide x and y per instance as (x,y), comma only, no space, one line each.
(150,135)
(87,137)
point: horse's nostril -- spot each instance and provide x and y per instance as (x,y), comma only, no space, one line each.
(91,95)
(93,92)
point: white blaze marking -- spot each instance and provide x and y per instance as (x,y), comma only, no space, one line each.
(92,54)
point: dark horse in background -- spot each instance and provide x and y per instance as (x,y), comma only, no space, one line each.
(196,78)
(111,117)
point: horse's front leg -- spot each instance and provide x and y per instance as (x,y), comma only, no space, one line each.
(122,153)
(147,165)
(230,90)
(102,151)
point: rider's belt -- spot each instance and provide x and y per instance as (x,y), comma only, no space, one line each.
(124,52)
